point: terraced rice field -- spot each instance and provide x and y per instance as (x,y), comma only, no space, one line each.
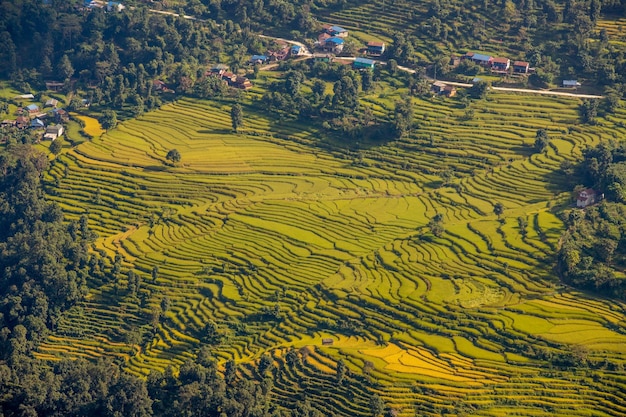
(337,245)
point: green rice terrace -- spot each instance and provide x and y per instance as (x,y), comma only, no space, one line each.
(263,242)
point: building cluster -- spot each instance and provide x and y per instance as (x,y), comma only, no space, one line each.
(109,6)
(498,64)
(49,122)
(332,40)
(222,72)
(282,52)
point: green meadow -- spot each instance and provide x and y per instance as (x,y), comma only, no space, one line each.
(283,243)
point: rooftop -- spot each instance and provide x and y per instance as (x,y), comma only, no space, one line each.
(335,40)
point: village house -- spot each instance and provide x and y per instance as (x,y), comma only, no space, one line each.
(32,109)
(586,197)
(500,64)
(228,77)
(51,103)
(22,122)
(54,85)
(242,83)
(338,31)
(375,48)
(217,70)
(279,55)
(258,59)
(363,63)
(321,39)
(53,132)
(60,115)
(480,59)
(296,50)
(8,123)
(334,45)
(521,67)
(37,124)
(443,89)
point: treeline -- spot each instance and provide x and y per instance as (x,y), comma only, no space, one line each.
(114,57)
(81,388)
(593,250)
(44,261)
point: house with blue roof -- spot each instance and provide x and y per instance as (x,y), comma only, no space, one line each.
(363,63)
(258,59)
(334,45)
(296,50)
(480,59)
(32,108)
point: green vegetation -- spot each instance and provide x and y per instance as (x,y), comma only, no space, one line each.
(280,244)
(325,240)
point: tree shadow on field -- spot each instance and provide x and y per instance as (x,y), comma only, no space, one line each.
(155,168)
(216,131)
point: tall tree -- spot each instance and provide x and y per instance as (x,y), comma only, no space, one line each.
(236,116)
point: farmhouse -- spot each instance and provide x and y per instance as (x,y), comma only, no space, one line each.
(333,30)
(375,48)
(321,39)
(51,103)
(53,132)
(586,197)
(500,64)
(327,341)
(521,67)
(363,63)
(334,45)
